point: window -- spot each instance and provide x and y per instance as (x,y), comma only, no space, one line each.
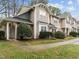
(68,20)
(42,12)
(55,21)
(43,28)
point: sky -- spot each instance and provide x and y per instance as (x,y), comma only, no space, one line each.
(67,5)
(71,6)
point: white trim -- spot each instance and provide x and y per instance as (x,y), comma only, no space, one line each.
(43,25)
(7,31)
(15,30)
(35,25)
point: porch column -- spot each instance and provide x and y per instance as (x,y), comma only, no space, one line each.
(16,31)
(35,25)
(7,31)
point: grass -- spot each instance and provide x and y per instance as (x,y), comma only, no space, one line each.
(69,38)
(62,52)
(9,50)
(47,41)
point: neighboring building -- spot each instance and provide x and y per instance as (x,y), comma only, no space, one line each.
(77,26)
(55,22)
(40,18)
(74,25)
(66,23)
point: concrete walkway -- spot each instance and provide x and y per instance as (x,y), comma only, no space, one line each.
(47,46)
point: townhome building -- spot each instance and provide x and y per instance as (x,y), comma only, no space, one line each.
(55,22)
(43,20)
(74,24)
(40,18)
(66,23)
(78,27)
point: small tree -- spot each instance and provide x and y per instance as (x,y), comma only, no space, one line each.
(2,35)
(24,31)
(78,34)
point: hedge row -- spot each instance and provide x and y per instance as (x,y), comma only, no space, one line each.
(45,34)
(57,34)
(2,35)
(74,34)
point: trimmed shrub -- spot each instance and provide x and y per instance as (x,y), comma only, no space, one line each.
(59,35)
(2,35)
(74,34)
(24,31)
(45,34)
(78,34)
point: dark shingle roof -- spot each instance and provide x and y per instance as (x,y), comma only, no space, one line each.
(17,20)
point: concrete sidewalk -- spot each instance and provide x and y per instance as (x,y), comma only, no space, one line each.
(47,46)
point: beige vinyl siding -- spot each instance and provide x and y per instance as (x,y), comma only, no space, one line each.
(43,18)
(32,16)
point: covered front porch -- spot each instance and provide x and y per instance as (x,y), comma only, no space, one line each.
(11,30)
(10,27)
(66,31)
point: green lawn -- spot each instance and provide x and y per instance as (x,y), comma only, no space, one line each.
(11,50)
(62,52)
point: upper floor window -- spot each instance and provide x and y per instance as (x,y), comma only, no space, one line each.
(42,12)
(55,21)
(72,22)
(68,20)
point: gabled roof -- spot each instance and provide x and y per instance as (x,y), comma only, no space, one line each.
(74,19)
(56,17)
(45,6)
(25,9)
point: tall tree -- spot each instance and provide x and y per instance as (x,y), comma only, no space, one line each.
(8,8)
(55,11)
(33,2)
(3,7)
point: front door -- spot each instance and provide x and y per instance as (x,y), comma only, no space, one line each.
(12,31)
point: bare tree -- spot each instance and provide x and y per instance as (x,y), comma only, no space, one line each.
(9,7)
